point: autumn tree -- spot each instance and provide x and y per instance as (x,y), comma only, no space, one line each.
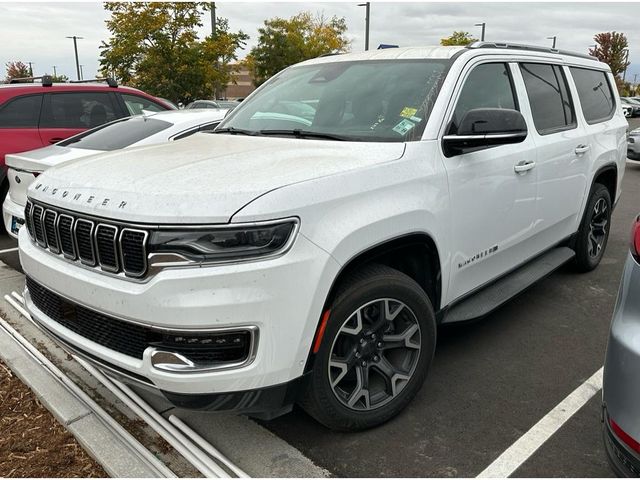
(283,42)
(17,70)
(154,46)
(610,49)
(458,38)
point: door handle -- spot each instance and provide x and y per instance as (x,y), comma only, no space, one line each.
(580,149)
(524,167)
(55,140)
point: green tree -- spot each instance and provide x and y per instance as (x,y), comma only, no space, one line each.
(458,38)
(283,42)
(154,46)
(16,70)
(610,49)
(59,78)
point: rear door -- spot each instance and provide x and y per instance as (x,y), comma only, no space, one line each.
(19,125)
(67,113)
(563,151)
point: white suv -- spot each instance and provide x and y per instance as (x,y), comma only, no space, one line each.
(307,250)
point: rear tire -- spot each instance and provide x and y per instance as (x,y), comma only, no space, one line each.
(377,347)
(592,237)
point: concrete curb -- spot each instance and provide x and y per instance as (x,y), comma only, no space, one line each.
(97,438)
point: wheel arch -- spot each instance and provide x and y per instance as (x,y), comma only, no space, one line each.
(414,254)
(607,175)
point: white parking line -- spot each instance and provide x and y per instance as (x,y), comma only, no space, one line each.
(527,444)
(8,250)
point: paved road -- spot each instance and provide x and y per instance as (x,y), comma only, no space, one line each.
(491,381)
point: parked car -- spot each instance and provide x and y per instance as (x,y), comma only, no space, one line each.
(230,104)
(134,131)
(633,145)
(33,115)
(635,107)
(281,259)
(621,381)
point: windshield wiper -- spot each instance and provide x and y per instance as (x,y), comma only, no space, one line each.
(236,131)
(298,133)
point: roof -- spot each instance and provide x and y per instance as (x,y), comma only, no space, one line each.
(442,52)
(63,86)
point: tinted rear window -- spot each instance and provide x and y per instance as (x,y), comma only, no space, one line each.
(77,110)
(21,112)
(117,135)
(594,91)
(551,104)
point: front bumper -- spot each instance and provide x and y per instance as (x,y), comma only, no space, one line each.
(11,209)
(283,297)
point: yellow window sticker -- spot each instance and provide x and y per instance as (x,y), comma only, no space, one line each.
(408,112)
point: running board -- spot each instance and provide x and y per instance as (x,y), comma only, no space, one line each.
(498,293)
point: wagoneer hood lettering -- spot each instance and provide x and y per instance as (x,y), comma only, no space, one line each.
(202,179)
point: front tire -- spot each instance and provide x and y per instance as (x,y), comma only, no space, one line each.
(377,347)
(593,235)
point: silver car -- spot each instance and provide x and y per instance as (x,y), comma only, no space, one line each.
(621,383)
(633,145)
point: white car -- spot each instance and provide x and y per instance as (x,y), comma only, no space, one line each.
(138,130)
(283,259)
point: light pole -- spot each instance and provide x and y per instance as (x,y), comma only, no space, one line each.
(55,74)
(554,41)
(75,48)
(368,13)
(483,25)
(81,73)
(30,69)
(626,64)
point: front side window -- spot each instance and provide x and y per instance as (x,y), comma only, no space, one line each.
(120,134)
(548,93)
(21,112)
(376,101)
(594,92)
(77,110)
(137,105)
(489,85)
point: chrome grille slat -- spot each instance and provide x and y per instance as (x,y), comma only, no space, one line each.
(38,229)
(107,247)
(51,236)
(111,247)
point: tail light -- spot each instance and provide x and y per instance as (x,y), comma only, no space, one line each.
(635,240)
(624,436)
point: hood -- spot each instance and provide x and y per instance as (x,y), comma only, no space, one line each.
(202,179)
(42,158)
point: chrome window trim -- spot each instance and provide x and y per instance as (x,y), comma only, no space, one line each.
(55,230)
(74,255)
(93,248)
(108,268)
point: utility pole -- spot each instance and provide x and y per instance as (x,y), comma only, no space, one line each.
(554,41)
(626,63)
(213,19)
(55,74)
(81,73)
(75,48)
(483,25)
(30,70)
(366,24)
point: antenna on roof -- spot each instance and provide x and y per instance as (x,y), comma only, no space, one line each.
(382,46)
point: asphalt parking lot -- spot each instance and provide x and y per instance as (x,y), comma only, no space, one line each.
(491,381)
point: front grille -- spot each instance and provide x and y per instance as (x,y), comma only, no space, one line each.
(132,339)
(112,247)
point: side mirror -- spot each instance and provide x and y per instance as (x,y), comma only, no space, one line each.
(486,127)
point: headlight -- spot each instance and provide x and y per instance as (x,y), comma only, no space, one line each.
(224,244)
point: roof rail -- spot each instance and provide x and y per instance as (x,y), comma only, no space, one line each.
(46,80)
(531,48)
(110,81)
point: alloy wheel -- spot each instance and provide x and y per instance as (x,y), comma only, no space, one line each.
(598,228)
(374,354)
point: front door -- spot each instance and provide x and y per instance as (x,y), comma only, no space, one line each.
(493,203)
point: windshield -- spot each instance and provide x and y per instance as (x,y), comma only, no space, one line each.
(376,101)
(120,134)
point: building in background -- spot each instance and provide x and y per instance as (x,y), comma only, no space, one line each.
(240,85)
